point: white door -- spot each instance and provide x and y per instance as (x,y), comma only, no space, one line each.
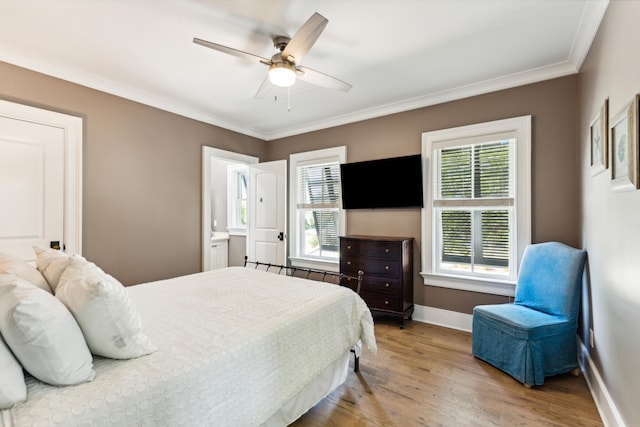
(40,180)
(266,234)
(31,187)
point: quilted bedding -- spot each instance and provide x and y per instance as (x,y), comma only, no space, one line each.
(234,346)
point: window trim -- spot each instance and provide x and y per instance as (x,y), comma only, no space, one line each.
(522,236)
(295,160)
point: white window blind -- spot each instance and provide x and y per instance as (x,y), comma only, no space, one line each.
(319,185)
(473,201)
(478,171)
(318,200)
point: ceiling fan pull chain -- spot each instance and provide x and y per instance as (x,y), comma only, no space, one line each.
(289,99)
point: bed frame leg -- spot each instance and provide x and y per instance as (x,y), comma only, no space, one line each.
(356,362)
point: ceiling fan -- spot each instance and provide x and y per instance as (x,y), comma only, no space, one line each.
(284,65)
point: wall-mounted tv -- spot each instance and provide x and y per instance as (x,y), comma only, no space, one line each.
(384,183)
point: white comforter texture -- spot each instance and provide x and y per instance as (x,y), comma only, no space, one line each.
(234,345)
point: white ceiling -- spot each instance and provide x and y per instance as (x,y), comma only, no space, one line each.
(397,54)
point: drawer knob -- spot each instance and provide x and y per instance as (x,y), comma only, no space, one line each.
(349,247)
(386,250)
(348,262)
(386,302)
(386,267)
(387,284)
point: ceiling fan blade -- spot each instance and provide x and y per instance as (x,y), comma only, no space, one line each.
(304,38)
(320,79)
(264,89)
(231,51)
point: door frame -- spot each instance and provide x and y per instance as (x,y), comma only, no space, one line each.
(207,153)
(72,127)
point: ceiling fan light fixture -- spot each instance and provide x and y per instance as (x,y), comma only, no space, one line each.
(282,74)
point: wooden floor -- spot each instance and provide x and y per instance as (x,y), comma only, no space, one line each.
(425,375)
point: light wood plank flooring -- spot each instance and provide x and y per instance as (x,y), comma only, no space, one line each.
(425,375)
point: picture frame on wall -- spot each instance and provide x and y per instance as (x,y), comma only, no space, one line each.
(624,148)
(599,139)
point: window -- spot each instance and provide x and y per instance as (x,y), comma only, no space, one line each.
(237,198)
(477,215)
(473,204)
(316,207)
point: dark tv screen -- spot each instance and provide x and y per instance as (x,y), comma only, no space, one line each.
(385,183)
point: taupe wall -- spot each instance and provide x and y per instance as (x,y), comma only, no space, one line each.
(610,222)
(552,105)
(141,175)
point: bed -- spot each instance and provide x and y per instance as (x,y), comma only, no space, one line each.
(237,346)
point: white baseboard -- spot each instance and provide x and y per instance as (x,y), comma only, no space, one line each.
(440,317)
(605,404)
(461,321)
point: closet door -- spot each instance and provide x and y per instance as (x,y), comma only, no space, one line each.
(39,180)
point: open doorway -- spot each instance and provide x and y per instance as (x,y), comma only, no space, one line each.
(220,233)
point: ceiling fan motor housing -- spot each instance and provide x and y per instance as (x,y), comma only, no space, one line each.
(280,42)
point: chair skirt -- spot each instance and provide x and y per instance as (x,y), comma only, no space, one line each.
(527,344)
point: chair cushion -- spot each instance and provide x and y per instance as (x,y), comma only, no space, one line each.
(522,322)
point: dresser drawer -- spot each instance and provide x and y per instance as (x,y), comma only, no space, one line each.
(381,285)
(373,284)
(387,250)
(381,301)
(371,267)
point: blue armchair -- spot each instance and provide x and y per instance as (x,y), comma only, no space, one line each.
(535,337)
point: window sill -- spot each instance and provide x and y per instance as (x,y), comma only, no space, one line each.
(485,286)
(315,264)
(237,231)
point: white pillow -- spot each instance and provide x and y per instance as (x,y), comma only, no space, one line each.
(106,314)
(42,334)
(20,268)
(51,263)
(13,389)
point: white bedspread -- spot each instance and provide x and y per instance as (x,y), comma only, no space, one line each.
(234,345)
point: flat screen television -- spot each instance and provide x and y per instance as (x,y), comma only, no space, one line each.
(386,183)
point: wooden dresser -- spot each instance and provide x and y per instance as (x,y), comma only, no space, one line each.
(387,262)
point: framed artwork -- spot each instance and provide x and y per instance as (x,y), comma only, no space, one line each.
(624,148)
(598,139)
